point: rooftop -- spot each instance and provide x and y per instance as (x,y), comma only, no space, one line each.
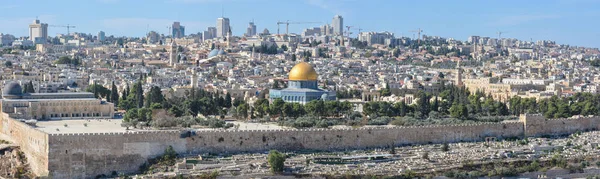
(79,126)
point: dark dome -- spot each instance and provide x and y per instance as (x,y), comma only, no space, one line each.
(12,89)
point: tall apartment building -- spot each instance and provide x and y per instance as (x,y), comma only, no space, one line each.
(326,30)
(178,30)
(101,36)
(209,33)
(251,30)
(338,25)
(375,37)
(315,31)
(6,39)
(153,37)
(38,32)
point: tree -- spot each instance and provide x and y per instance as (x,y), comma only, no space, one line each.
(459,111)
(386,91)
(276,84)
(25,88)
(140,94)
(155,96)
(176,111)
(445,147)
(8,64)
(242,110)
(276,161)
(99,91)
(261,106)
(114,94)
(423,104)
(30,88)
(169,155)
(125,92)
(294,57)
(276,107)
(315,108)
(68,61)
(436,105)
(95,90)
(284,47)
(227,102)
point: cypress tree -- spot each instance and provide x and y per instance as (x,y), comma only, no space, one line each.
(114,94)
(30,88)
(140,95)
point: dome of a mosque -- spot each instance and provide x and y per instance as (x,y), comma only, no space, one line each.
(12,89)
(303,72)
(216,52)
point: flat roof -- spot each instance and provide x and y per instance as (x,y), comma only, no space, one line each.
(58,94)
(77,126)
(64,99)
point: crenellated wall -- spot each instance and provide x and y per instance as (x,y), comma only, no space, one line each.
(538,125)
(90,154)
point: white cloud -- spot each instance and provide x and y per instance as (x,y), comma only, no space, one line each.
(521,19)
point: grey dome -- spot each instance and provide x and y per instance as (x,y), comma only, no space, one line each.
(12,89)
(216,52)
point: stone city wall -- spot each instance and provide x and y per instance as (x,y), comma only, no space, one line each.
(88,155)
(538,125)
(30,140)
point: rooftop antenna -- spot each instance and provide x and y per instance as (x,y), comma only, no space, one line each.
(222,11)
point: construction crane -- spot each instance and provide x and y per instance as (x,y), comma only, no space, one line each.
(500,34)
(169,32)
(348,29)
(418,31)
(348,33)
(67,26)
(287,25)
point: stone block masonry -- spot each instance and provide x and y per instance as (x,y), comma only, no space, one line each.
(33,142)
(90,154)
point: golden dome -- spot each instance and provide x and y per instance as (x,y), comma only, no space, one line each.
(303,72)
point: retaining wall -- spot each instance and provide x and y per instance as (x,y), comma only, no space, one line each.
(90,154)
(33,142)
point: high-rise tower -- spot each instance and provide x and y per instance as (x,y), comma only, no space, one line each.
(338,25)
(38,32)
(178,30)
(222,26)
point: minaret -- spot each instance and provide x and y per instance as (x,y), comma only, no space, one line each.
(228,38)
(173,55)
(459,81)
(194,81)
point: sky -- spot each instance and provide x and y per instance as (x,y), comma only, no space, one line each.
(572,22)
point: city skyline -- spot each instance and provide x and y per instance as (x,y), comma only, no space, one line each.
(566,22)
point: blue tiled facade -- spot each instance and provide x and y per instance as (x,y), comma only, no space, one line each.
(302,92)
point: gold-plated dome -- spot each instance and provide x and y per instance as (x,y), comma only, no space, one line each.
(303,72)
